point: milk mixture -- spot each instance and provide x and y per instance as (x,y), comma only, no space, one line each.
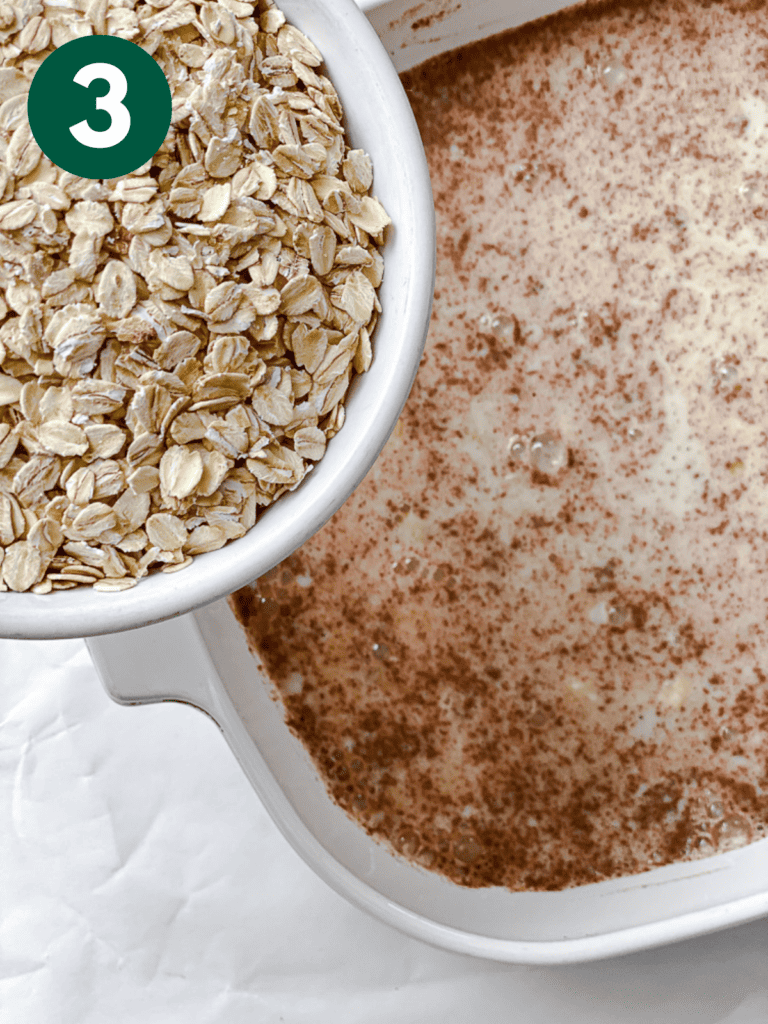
(532,649)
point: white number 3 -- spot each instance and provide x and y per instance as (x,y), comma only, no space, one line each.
(111,103)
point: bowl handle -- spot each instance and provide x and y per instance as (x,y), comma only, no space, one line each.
(165,661)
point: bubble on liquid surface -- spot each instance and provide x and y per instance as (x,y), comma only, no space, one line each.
(548,454)
(467,849)
(634,433)
(500,325)
(732,832)
(613,74)
(749,191)
(716,809)
(425,857)
(726,372)
(407,842)
(516,449)
(504,327)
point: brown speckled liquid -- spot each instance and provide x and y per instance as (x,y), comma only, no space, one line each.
(532,649)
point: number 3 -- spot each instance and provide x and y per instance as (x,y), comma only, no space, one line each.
(120,115)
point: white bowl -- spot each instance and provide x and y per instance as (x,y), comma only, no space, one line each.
(380,121)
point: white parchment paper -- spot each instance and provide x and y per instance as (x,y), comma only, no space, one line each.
(142,881)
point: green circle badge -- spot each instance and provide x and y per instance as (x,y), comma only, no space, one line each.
(99,107)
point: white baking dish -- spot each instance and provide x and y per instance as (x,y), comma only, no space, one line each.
(202,659)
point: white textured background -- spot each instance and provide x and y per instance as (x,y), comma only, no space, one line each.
(141,881)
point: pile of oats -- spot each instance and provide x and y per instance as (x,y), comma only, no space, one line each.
(175,344)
